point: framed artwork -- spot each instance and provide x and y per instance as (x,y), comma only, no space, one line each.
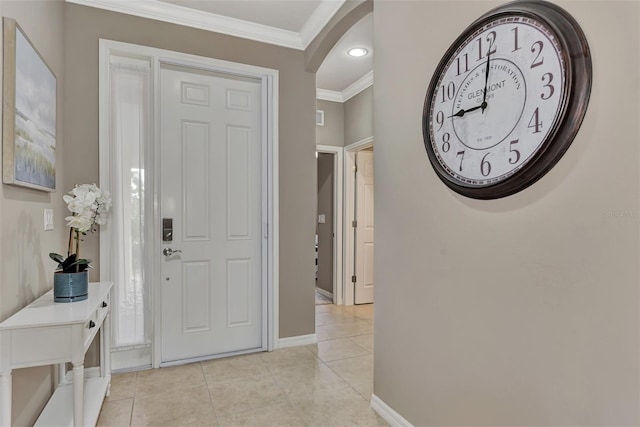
(29,114)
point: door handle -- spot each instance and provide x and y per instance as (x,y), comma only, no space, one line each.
(169,251)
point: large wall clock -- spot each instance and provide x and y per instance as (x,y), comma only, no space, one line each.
(507,99)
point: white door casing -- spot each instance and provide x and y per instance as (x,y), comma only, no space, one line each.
(338,152)
(364,230)
(211,189)
(349,242)
(270,193)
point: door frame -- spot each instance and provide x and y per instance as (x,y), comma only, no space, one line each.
(349,209)
(269,79)
(338,230)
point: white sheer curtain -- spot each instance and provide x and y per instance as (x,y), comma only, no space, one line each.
(130,111)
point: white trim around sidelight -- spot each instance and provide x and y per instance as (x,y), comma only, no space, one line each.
(269,79)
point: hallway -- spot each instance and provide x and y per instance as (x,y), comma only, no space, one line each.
(325,384)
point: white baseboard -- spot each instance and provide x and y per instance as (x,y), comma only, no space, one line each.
(388,413)
(133,359)
(324,293)
(297,340)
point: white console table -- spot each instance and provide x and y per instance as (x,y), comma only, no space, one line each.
(47,333)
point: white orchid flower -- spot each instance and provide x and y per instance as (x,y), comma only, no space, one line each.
(82,223)
(89,206)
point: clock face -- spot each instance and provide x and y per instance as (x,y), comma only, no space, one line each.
(498,99)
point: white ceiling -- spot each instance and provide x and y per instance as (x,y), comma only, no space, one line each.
(285,14)
(339,70)
(290,23)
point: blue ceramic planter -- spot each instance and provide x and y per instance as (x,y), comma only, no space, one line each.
(70,287)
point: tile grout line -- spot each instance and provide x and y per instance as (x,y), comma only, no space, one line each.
(206,384)
(362,347)
(133,401)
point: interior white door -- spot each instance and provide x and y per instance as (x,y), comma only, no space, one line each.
(211,291)
(364,229)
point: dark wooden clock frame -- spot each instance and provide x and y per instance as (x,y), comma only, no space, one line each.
(576,92)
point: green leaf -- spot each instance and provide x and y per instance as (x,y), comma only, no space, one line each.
(68,262)
(56,257)
(77,266)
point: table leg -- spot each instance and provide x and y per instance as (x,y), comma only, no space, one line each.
(5,403)
(78,394)
(62,374)
(106,350)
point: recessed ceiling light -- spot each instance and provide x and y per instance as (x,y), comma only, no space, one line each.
(358,51)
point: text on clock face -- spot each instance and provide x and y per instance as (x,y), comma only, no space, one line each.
(492,126)
(477,96)
(496,100)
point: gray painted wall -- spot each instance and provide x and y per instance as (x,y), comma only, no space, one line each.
(358,117)
(518,311)
(26,272)
(325,231)
(348,122)
(332,133)
(84,26)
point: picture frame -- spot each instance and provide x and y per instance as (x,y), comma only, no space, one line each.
(28,113)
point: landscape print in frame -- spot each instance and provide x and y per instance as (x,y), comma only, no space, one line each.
(29,113)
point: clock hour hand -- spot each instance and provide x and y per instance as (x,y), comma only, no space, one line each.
(461,112)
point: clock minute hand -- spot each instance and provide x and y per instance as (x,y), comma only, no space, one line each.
(486,79)
(461,112)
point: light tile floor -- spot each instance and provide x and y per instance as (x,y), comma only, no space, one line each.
(325,384)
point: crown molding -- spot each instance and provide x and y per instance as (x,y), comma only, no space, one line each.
(167,12)
(329,95)
(318,20)
(358,86)
(349,92)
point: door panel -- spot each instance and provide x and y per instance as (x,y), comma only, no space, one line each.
(238,183)
(238,292)
(211,292)
(195,182)
(364,230)
(195,296)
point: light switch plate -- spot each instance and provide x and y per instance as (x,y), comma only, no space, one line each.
(48,219)
(322,219)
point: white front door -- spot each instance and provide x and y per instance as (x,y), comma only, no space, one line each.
(364,229)
(212,291)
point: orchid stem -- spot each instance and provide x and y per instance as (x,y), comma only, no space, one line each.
(77,249)
(70,240)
